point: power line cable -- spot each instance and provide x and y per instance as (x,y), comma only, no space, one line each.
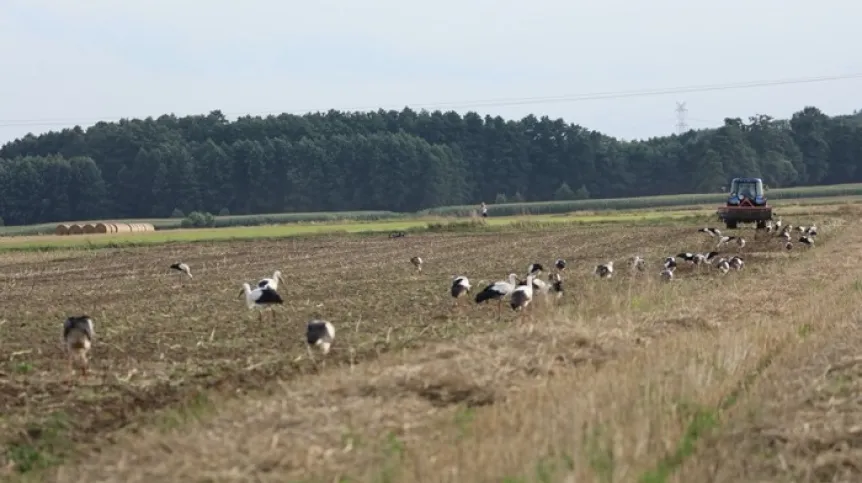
(505,102)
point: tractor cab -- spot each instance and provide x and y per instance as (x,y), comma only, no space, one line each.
(746,192)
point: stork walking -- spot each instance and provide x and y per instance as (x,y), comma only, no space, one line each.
(261,298)
(77,340)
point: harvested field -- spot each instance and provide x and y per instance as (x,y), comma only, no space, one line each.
(604,385)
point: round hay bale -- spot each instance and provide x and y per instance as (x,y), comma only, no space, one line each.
(102,228)
(61,229)
(149,227)
(89,228)
(135,227)
(76,229)
(123,227)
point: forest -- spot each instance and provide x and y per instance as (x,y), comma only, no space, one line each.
(398,161)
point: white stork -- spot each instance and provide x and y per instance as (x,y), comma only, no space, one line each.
(320,333)
(535,269)
(605,270)
(667,273)
(460,286)
(670,262)
(723,265)
(417,262)
(182,267)
(498,291)
(522,295)
(271,282)
(77,340)
(261,298)
(556,284)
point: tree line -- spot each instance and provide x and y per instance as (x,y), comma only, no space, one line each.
(396,160)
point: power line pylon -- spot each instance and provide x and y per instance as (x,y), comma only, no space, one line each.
(681,112)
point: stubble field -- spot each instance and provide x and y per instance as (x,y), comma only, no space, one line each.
(627,379)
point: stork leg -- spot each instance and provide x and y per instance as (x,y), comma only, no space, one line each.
(70,369)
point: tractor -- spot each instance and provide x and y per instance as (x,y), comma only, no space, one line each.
(746,204)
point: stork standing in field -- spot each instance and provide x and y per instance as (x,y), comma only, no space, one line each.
(535,269)
(460,286)
(417,262)
(806,240)
(182,267)
(271,282)
(522,295)
(667,273)
(560,264)
(688,257)
(724,239)
(605,270)
(261,298)
(736,263)
(319,333)
(723,265)
(670,262)
(77,340)
(556,284)
(498,291)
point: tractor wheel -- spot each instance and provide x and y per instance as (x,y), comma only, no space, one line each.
(731,225)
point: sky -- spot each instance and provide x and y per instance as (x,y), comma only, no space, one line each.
(67,63)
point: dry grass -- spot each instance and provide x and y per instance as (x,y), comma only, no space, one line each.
(607,385)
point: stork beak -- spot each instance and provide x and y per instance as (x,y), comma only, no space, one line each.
(241,292)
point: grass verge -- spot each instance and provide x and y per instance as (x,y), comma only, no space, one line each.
(51,242)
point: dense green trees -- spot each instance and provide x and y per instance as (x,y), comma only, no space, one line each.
(401,161)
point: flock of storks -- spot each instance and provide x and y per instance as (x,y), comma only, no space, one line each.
(78,331)
(521,291)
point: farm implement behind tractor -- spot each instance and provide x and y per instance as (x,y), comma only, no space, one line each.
(746,204)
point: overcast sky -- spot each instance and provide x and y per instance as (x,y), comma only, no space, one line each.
(67,63)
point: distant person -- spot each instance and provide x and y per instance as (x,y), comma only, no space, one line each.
(484,210)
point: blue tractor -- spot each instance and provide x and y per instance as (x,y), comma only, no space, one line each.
(746,204)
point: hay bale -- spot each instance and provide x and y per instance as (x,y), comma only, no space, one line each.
(61,229)
(76,229)
(123,227)
(101,228)
(149,227)
(89,228)
(135,227)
